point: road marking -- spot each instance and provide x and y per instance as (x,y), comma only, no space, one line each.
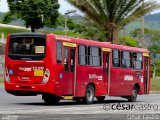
(84,109)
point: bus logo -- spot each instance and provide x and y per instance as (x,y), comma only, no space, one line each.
(128,77)
(94,76)
(25,69)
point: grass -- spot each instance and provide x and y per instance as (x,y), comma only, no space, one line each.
(1,80)
(8,30)
(155,84)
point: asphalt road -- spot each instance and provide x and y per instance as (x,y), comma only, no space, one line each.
(33,107)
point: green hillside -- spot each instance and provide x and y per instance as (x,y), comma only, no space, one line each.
(152,21)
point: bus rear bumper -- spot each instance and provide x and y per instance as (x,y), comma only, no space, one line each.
(28,89)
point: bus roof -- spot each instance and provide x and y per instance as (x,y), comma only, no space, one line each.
(27,34)
(100,44)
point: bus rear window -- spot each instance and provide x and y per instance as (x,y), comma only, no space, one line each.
(27,48)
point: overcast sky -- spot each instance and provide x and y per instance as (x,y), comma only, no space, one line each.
(64,6)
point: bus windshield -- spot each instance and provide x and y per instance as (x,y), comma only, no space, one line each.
(27,48)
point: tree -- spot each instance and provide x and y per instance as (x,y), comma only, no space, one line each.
(61,22)
(112,15)
(7,18)
(153,33)
(128,41)
(35,13)
(89,31)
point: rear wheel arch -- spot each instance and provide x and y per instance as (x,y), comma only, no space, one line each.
(137,86)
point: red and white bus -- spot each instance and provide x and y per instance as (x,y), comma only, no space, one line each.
(61,67)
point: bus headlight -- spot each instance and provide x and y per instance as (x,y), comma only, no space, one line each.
(7,78)
(46,76)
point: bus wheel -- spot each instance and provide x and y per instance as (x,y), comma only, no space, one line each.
(50,100)
(100,98)
(89,95)
(133,96)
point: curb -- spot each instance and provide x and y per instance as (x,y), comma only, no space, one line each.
(154,92)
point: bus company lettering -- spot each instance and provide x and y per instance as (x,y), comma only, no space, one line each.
(26,69)
(128,77)
(29,69)
(94,76)
(62,38)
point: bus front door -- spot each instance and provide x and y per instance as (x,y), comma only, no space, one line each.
(69,71)
(106,71)
(146,75)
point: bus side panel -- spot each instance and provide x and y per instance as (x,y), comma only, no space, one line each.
(115,82)
(56,69)
(118,85)
(86,75)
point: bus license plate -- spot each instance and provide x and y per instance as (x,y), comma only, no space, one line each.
(38,72)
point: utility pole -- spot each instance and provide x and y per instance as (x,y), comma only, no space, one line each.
(68,12)
(42,18)
(154,63)
(142,28)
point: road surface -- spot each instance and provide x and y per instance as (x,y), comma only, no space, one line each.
(33,107)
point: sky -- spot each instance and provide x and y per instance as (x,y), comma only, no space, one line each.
(64,6)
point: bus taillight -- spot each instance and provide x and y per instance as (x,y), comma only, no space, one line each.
(46,76)
(7,78)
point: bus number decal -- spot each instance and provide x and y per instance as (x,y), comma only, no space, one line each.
(38,68)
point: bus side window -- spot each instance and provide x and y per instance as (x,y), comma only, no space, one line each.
(65,59)
(59,52)
(94,54)
(72,60)
(116,58)
(137,61)
(125,62)
(82,55)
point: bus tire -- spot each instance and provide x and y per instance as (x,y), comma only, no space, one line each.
(89,94)
(100,98)
(134,94)
(50,100)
